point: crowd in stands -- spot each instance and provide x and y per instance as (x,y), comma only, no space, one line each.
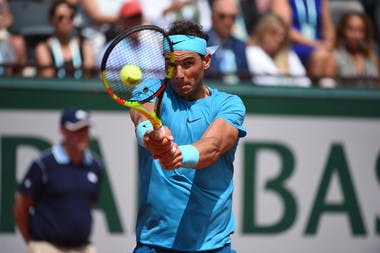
(300,43)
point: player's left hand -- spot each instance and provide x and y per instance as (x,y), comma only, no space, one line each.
(159,143)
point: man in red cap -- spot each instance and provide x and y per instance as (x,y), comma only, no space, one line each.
(130,9)
(130,15)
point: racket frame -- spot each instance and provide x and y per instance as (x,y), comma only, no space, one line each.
(153,117)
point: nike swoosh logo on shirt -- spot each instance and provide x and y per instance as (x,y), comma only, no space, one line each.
(192,120)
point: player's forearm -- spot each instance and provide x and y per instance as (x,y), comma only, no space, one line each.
(195,156)
(137,117)
(217,139)
(210,149)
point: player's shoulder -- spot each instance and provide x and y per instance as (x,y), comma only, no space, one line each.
(227,101)
(223,95)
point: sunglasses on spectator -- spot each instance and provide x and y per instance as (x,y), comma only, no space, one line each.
(60,18)
(225,16)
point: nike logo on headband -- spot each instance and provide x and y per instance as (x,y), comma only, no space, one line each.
(174,43)
(189,43)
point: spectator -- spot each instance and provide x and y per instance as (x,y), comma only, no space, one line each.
(163,12)
(252,11)
(270,58)
(53,207)
(92,21)
(64,54)
(229,60)
(130,14)
(312,35)
(372,8)
(12,47)
(356,59)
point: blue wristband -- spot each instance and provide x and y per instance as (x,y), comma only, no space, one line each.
(141,129)
(190,156)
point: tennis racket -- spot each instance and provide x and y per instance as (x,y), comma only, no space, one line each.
(141,46)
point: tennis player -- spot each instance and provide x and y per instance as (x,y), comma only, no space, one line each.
(53,207)
(186,174)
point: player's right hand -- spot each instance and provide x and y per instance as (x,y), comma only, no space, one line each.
(172,160)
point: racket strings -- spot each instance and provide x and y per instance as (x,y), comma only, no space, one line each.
(140,48)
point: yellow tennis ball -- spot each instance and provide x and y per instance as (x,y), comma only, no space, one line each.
(130,75)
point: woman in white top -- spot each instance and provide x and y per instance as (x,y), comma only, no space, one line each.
(270,59)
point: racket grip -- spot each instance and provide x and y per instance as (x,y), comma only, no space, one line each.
(160,129)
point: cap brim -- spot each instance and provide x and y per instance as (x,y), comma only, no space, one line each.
(77,125)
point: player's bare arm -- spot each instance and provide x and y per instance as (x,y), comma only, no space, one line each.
(137,117)
(219,137)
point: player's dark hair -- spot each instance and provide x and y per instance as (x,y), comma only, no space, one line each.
(187,28)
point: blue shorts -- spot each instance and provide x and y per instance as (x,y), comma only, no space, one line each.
(143,248)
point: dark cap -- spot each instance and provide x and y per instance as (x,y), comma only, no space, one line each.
(75,118)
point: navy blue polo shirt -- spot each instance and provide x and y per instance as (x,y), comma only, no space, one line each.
(63,193)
